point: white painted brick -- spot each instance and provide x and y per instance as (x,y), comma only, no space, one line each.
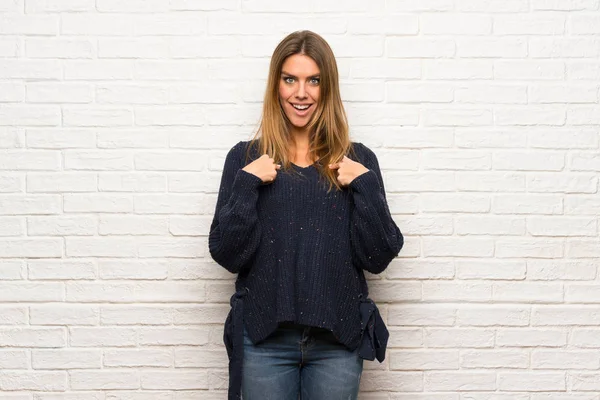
(459,338)
(454,203)
(498,94)
(418,182)
(409,360)
(59,48)
(140,292)
(490,225)
(425,5)
(102,337)
(31,160)
(455,24)
(170,161)
(11,6)
(12,226)
(399,92)
(179,379)
(10,183)
(560,270)
(583,249)
(33,337)
(97,69)
(9,47)
(63,315)
(456,160)
(528,161)
(394,381)
(187,226)
(38,115)
(527,381)
(203,314)
(564,5)
(11,92)
(30,69)
(132,225)
(165,204)
(529,70)
(133,48)
(490,181)
(16,24)
(428,225)
(401,47)
(135,315)
(62,226)
(454,246)
(61,138)
(585,381)
(205,5)
(13,315)
(12,270)
(584,338)
(472,47)
(66,359)
(394,24)
(100,247)
(130,94)
(203,93)
(562,226)
(460,380)
(14,359)
(129,138)
(528,292)
(562,182)
(582,205)
(570,138)
(585,70)
(527,204)
(484,269)
(44,6)
(102,380)
(183,182)
(60,269)
(59,93)
(584,162)
(132,182)
(173,336)
(175,247)
(564,47)
(378,291)
(61,182)
(492,6)
(532,115)
(108,203)
(529,247)
(30,204)
(16,247)
(492,315)
(166,23)
(494,359)
(362,91)
(200,358)
(186,115)
(457,291)
(386,68)
(583,115)
(530,337)
(37,381)
(529,24)
(82,116)
(474,138)
(95,24)
(559,359)
(138,358)
(457,117)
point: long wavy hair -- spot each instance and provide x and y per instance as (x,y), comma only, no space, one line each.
(329,138)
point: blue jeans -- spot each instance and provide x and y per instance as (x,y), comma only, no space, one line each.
(303,362)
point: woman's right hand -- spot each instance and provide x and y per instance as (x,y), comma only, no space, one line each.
(264,167)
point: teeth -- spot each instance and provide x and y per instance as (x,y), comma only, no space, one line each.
(298,107)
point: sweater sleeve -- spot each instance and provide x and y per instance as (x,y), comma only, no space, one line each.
(235,230)
(376,239)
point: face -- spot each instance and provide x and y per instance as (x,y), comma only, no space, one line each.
(299,87)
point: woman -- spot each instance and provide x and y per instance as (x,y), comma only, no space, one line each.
(301,212)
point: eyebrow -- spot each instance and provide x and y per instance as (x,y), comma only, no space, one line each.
(293,76)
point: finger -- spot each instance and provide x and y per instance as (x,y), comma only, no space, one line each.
(277,166)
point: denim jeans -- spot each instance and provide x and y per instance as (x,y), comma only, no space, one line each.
(300,362)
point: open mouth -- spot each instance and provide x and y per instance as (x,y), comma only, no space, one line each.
(301,109)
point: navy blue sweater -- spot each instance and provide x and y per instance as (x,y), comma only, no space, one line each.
(299,251)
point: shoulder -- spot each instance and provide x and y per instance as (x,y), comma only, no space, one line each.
(364,154)
(238,152)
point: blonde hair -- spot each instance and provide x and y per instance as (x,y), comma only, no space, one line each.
(329,138)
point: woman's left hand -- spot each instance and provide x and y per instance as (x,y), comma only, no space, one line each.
(348,170)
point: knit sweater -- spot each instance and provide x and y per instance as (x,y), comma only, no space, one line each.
(299,250)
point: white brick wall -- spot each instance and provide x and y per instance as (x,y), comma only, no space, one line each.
(115,117)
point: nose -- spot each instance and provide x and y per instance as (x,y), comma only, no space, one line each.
(301,93)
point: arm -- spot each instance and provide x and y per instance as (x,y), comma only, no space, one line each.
(376,239)
(235,230)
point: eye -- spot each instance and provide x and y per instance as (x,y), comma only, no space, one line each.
(316,80)
(288,79)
